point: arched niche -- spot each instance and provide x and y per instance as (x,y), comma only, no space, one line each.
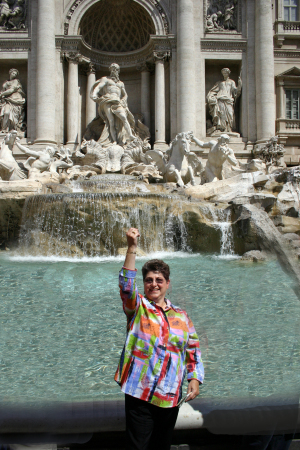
(79,8)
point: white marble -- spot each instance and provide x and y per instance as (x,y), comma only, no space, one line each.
(9,168)
(179,164)
(45,160)
(160,104)
(219,153)
(12,101)
(186,95)
(72,103)
(110,94)
(45,72)
(221,102)
(90,104)
(264,70)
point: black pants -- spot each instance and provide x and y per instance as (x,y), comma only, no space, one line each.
(148,427)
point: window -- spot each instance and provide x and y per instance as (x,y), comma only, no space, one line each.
(290,10)
(292,103)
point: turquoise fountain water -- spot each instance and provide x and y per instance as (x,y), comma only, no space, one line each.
(63,328)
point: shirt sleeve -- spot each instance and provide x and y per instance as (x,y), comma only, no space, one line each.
(194,364)
(128,291)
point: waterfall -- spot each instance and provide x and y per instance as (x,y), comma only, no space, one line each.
(221,220)
(94,224)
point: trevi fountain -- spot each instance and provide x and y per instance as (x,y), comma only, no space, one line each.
(227,222)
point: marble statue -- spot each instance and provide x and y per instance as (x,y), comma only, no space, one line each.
(9,168)
(110,95)
(221,16)
(12,101)
(219,153)
(12,14)
(221,101)
(228,17)
(41,161)
(114,158)
(212,22)
(271,153)
(181,164)
(102,159)
(135,162)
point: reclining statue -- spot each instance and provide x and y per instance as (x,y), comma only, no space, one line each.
(40,161)
(9,168)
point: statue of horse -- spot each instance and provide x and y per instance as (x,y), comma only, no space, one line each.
(180,164)
(9,168)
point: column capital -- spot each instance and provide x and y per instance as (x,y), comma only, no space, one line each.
(74,57)
(161,55)
(91,68)
(145,67)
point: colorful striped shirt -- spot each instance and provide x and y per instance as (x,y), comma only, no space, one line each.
(160,347)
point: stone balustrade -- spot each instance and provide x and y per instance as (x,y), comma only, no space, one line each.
(288,126)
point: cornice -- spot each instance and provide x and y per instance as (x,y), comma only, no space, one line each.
(223,45)
(15,44)
(76,44)
(279,53)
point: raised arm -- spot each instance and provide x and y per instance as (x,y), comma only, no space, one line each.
(201,143)
(27,150)
(197,141)
(96,88)
(128,288)
(132,237)
(231,158)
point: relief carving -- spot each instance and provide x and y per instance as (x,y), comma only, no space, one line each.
(221,16)
(12,14)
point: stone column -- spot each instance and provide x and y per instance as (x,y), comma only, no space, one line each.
(173,93)
(264,70)
(90,104)
(145,93)
(45,72)
(186,98)
(281,99)
(72,100)
(160,103)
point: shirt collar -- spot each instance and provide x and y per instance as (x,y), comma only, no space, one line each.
(169,304)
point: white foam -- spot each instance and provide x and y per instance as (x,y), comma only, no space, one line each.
(226,257)
(96,259)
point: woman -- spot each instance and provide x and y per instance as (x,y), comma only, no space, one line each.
(221,101)
(12,100)
(161,345)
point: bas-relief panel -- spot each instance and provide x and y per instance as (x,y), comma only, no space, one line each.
(222,16)
(13,15)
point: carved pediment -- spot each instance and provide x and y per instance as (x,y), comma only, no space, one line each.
(293,72)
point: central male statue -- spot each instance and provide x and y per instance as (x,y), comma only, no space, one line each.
(110,94)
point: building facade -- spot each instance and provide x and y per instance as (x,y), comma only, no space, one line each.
(171,53)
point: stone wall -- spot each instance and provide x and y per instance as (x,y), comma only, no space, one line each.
(10,221)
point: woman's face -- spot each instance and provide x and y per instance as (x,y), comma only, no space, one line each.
(155,286)
(13,74)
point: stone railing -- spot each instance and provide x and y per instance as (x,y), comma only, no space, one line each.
(289,126)
(283,27)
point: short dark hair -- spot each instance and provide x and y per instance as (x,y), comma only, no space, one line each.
(156,265)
